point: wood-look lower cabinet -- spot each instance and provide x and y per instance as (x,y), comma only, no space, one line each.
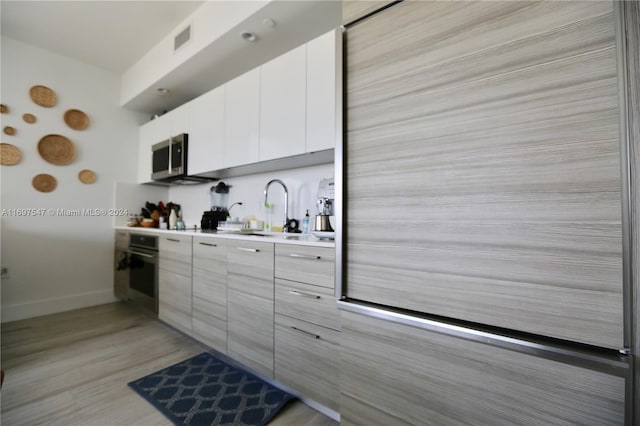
(402,375)
(307,359)
(307,322)
(209,295)
(250,304)
(174,281)
(306,264)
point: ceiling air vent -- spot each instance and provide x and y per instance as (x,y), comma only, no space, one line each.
(182,38)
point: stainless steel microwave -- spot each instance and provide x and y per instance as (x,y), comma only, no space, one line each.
(169,162)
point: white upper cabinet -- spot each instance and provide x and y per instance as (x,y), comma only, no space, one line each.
(148,134)
(283,108)
(283,105)
(322,74)
(162,128)
(242,119)
(206,133)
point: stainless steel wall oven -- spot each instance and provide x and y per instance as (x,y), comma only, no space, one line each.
(140,264)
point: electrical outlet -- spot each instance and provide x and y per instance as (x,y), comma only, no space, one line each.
(4,272)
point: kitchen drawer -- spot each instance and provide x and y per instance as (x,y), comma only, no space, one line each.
(122,240)
(307,302)
(209,323)
(175,253)
(210,255)
(210,270)
(306,359)
(174,300)
(250,268)
(395,371)
(311,265)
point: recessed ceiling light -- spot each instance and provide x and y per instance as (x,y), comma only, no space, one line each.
(268,22)
(163,91)
(248,36)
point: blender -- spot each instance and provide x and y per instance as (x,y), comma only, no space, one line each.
(219,200)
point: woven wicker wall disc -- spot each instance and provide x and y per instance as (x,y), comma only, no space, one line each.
(76,119)
(87,176)
(29,118)
(43,96)
(9,154)
(57,149)
(4,109)
(8,130)
(44,183)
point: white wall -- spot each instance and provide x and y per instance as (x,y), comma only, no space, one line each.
(301,183)
(60,263)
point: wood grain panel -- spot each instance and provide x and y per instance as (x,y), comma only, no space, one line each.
(250,331)
(174,300)
(355,9)
(483,165)
(631,14)
(444,380)
(250,267)
(175,254)
(209,283)
(250,309)
(306,358)
(308,302)
(209,323)
(210,270)
(311,265)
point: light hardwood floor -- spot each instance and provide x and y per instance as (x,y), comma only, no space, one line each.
(73,368)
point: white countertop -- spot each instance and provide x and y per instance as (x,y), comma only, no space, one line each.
(268,237)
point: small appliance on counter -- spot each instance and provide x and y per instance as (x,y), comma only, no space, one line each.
(326,196)
(219,200)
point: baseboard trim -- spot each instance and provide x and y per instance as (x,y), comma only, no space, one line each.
(38,308)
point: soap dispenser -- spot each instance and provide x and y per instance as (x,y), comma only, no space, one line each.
(305,223)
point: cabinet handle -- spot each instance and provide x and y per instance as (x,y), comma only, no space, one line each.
(170,155)
(304,256)
(173,239)
(208,244)
(251,250)
(137,253)
(299,330)
(300,293)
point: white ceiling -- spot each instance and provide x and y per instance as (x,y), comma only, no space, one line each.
(111,35)
(116,34)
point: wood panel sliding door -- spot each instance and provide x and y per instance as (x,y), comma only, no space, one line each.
(482,165)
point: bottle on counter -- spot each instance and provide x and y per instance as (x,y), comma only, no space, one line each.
(173,219)
(180,226)
(305,223)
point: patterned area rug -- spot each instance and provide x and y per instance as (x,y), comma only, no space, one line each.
(204,390)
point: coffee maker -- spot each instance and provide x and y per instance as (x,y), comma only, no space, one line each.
(219,199)
(325,204)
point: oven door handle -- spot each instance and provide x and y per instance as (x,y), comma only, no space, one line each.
(137,253)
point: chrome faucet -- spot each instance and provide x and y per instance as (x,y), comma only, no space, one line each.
(286,200)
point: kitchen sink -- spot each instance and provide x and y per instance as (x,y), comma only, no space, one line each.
(285,236)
